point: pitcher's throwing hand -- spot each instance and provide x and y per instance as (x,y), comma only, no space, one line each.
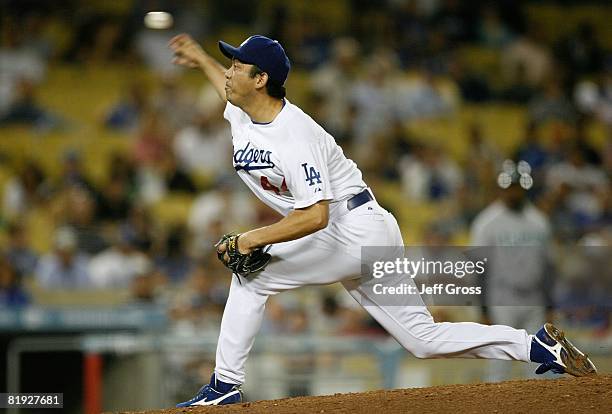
(187,52)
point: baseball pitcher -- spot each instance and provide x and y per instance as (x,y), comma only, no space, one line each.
(294,166)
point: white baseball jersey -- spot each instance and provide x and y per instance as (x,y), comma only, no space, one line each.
(291,162)
(497,225)
(515,276)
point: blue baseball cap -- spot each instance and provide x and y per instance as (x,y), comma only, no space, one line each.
(265,53)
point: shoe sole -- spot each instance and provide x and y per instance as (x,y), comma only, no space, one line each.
(576,363)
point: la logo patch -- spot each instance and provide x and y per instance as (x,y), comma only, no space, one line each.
(312,175)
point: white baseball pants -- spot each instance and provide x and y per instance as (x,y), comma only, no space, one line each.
(333,255)
(530,318)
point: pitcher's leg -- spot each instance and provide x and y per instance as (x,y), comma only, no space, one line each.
(242,317)
(504,315)
(297,263)
(414,328)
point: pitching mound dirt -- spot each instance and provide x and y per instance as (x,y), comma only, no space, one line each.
(567,395)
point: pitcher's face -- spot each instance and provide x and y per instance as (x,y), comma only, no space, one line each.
(239,85)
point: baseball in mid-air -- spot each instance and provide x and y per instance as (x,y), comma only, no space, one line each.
(158,20)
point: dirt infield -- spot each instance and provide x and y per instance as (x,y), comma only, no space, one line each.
(566,395)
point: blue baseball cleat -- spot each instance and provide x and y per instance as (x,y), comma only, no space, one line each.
(215,393)
(555,353)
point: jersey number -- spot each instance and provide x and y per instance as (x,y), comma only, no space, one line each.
(311,175)
(266,185)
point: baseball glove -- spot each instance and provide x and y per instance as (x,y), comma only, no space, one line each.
(239,263)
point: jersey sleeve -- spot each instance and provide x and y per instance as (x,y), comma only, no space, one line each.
(306,174)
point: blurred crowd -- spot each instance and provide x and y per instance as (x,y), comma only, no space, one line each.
(370,74)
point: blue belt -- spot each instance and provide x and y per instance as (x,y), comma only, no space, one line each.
(359,199)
